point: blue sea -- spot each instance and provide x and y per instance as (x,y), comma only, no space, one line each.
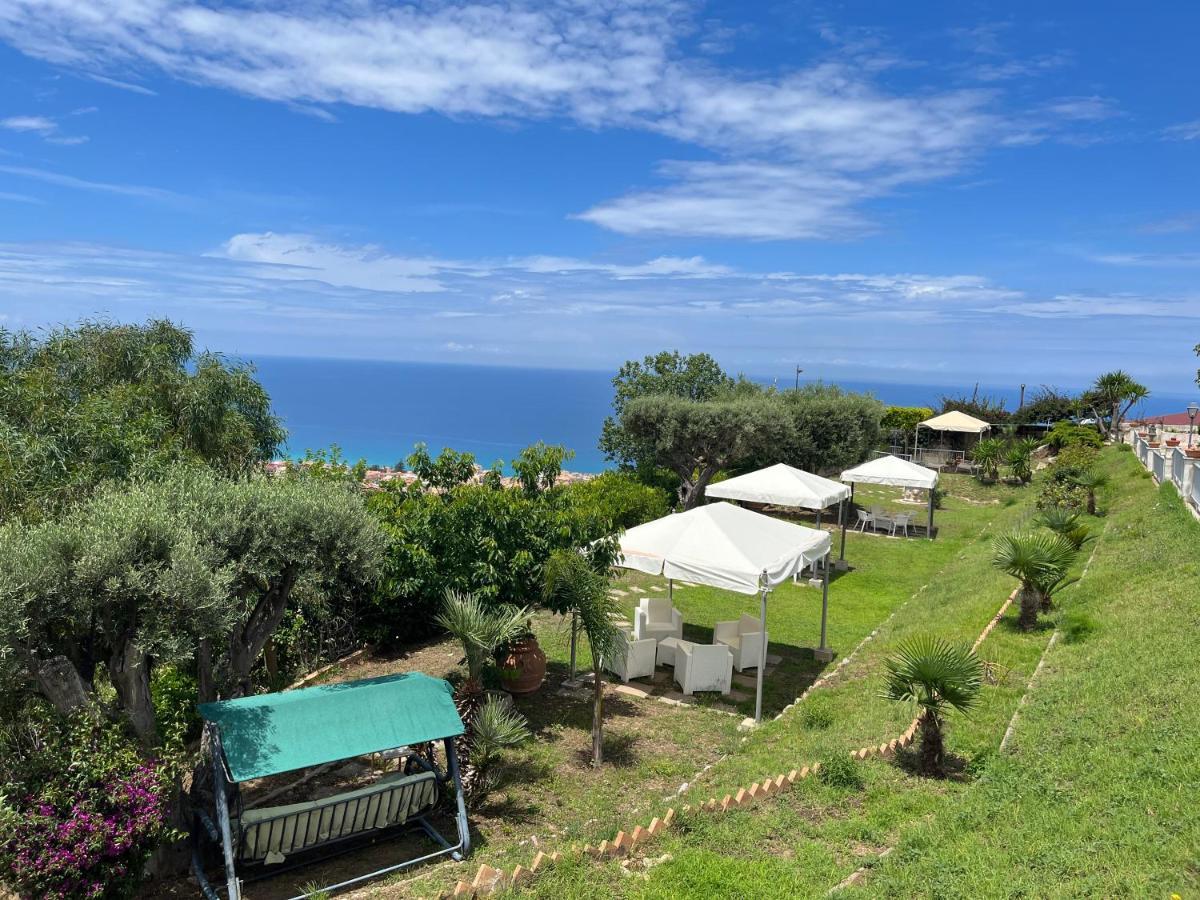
(379,410)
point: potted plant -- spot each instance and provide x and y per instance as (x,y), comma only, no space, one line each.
(521,662)
(1172,442)
(1192,452)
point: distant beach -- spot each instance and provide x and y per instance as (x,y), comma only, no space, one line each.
(379,410)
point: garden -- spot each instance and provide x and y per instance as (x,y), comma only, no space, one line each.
(147,565)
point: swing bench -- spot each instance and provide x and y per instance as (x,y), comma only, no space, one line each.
(269,734)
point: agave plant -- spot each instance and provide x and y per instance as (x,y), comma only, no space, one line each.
(987,455)
(1041,561)
(1065,521)
(1091,481)
(935,675)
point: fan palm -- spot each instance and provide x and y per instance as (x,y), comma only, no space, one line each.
(1041,561)
(480,629)
(987,454)
(1091,481)
(1018,457)
(936,675)
(497,727)
(1065,521)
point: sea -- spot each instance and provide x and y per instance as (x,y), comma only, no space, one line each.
(378,411)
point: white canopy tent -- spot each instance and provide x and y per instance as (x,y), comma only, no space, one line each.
(784,485)
(955,421)
(728,547)
(893,470)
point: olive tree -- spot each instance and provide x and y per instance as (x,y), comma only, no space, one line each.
(192,570)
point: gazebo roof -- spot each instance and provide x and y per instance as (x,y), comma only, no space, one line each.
(782,485)
(894,471)
(724,546)
(956,421)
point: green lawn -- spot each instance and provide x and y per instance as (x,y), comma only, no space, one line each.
(1094,796)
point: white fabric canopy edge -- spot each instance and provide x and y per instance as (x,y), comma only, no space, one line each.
(781,485)
(892,470)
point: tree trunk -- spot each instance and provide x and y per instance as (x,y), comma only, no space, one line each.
(692,485)
(129,670)
(1045,602)
(597,718)
(1091,502)
(247,639)
(1027,620)
(59,682)
(933,751)
(205,681)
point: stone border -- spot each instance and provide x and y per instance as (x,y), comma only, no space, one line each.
(314,675)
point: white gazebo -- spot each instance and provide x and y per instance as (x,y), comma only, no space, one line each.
(728,547)
(893,470)
(784,485)
(955,421)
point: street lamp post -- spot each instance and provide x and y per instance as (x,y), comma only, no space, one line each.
(1192,410)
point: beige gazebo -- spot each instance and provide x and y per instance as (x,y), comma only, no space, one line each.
(954,421)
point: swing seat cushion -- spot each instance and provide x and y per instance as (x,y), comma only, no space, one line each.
(277,831)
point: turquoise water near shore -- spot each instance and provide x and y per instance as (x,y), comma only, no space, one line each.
(379,410)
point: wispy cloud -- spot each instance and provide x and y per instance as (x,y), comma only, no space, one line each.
(1148,260)
(810,146)
(1184,131)
(83,184)
(18,198)
(44,127)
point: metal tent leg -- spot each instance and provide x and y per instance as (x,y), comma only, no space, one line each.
(460,817)
(762,656)
(823,653)
(929,527)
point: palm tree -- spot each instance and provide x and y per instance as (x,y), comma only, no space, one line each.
(1065,521)
(1018,459)
(1112,396)
(1040,560)
(480,629)
(936,675)
(987,455)
(1091,481)
(497,726)
(572,585)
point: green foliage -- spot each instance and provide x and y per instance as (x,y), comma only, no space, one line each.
(1019,460)
(174,693)
(981,406)
(497,727)
(328,465)
(1068,434)
(1065,521)
(1047,405)
(841,771)
(480,629)
(1076,626)
(695,377)
(904,418)
(934,674)
(448,470)
(1060,487)
(988,454)
(619,498)
(1041,561)
(829,429)
(478,538)
(816,713)
(695,439)
(538,466)
(97,402)
(1112,396)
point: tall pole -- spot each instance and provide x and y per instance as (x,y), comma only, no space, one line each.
(762,655)
(842,522)
(823,653)
(798,371)
(929,528)
(1021,404)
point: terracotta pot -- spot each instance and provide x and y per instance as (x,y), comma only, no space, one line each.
(1172,442)
(522,666)
(1194,453)
(1154,444)
(1143,434)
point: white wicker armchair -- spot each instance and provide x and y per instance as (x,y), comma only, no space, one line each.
(703,667)
(744,638)
(637,660)
(656,618)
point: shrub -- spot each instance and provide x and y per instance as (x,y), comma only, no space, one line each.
(1068,434)
(81,812)
(174,696)
(619,498)
(841,771)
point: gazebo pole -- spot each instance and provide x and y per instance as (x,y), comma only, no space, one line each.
(929,528)
(819,511)
(762,656)
(841,564)
(671,589)
(823,653)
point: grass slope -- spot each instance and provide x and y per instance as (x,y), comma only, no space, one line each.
(1090,798)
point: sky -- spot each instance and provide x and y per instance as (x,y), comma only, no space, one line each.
(941,192)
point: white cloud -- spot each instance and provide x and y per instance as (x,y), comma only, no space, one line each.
(1148,260)
(37,124)
(83,184)
(806,147)
(1184,131)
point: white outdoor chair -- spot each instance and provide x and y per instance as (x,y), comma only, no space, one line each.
(864,519)
(637,660)
(703,667)
(744,638)
(901,523)
(656,618)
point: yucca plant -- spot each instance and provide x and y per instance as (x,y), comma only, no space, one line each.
(1019,460)
(987,455)
(935,675)
(1091,481)
(573,585)
(1041,561)
(1065,521)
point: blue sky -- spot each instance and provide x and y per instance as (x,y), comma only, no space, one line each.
(935,192)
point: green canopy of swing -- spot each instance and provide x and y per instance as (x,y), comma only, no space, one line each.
(272,733)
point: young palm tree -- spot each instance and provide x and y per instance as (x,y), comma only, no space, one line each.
(572,585)
(1018,456)
(1065,521)
(1040,560)
(1091,481)
(497,727)
(936,676)
(480,629)
(987,455)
